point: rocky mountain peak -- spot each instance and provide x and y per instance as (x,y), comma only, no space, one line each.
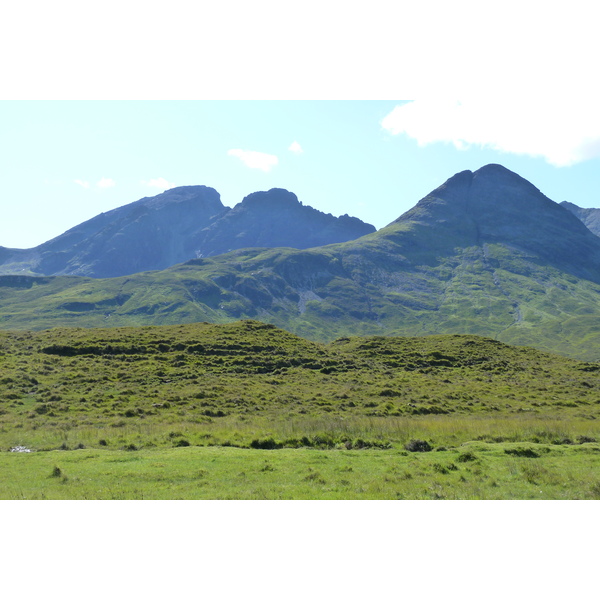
(208,197)
(277,218)
(495,205)
(275,198)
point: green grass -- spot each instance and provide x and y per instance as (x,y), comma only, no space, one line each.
(472,471)
(247,389)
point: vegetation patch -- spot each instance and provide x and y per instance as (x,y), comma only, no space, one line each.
(418,446)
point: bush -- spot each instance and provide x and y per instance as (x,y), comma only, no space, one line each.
(526,452)
(213,413)
(418,446)
(360,444)
(584,439)
(439,468)
(467,456)
(266,444)
(323,440)
(181,443)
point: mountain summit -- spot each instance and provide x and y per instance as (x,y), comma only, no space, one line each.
(277,219)
(495,205)
(151,233)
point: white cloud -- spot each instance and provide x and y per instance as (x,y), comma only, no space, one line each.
(296,148)
(563,132)
(84,184)
(161,183)
(106,183)
(255,160)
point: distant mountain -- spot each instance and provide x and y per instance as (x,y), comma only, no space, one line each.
(485,253)
(277,219)
(178,225)
(589,216)
(152,233)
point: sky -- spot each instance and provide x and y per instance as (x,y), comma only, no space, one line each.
(359,112)
(64,162)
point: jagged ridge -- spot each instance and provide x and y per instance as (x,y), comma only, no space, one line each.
(178,225)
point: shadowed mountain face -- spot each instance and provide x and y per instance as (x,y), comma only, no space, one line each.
(495,205)
(178,225)
(485,253)
(277,219)
(590,217)
(150,234)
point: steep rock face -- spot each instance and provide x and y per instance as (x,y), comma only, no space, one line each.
(590,217)
(277,219)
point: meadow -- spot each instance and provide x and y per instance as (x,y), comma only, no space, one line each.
(247,410)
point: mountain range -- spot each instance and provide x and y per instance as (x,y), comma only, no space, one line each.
(485,253)
(178,225)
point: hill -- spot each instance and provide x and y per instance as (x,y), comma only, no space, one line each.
(486,253)
(178,225)
(248,379)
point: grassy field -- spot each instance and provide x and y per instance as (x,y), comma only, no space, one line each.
(478,471)
(246,410)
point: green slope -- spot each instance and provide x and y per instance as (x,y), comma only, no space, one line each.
(243,382)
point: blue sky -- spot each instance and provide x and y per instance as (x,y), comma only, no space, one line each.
(101,105)
(66,161)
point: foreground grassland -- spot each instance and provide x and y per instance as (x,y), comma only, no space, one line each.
(246,410)
(473,471)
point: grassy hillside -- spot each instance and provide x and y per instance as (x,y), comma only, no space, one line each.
(145,413)
(364,288)
(237,383)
